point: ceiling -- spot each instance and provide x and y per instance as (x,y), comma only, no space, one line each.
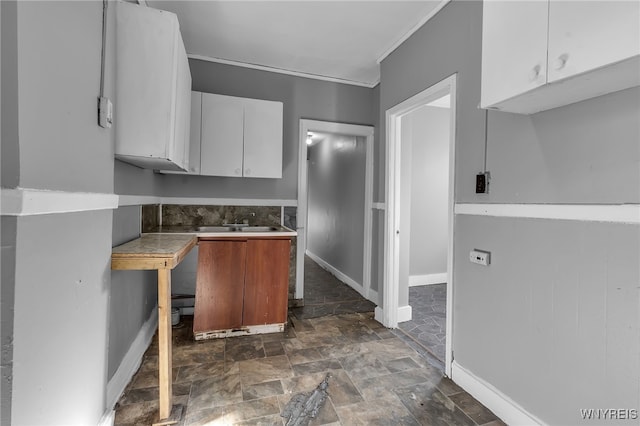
(334,40)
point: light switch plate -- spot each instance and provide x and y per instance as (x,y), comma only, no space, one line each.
(480,257)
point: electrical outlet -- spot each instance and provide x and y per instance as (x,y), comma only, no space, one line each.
(480,257)
(482,183)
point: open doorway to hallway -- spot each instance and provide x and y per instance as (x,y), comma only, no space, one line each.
(334,218)
(425,133)
(419,218)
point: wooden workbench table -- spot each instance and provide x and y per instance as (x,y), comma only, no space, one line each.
(161,252)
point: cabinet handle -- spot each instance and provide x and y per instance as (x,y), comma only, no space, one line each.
(237,171)
(247,172)
(535,73)
(559,63)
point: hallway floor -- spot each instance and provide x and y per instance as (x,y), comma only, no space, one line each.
(377,376)
(428,322)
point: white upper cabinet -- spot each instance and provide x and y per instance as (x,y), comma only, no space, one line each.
(153,89)
(585,35)
(512,65)
(538,55)
(241,137)
(194,137)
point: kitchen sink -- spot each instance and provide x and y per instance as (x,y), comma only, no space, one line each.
(245,228)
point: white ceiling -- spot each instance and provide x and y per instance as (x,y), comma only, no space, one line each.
(335,40)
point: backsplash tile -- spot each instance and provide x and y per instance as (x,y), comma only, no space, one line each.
(150,217)
(218,215)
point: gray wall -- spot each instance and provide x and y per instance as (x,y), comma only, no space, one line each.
(8,233)
(335,218)
(532,344)
(60,291)
(429,190)
(133,294)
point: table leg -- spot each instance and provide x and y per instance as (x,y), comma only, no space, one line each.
(164,340)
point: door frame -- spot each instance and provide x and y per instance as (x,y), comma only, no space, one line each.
(388,315)
(307,125)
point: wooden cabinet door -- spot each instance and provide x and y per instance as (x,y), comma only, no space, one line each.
(266,282)
(222,135)
(585,35)
(514,49)
(262,139)
(219,285)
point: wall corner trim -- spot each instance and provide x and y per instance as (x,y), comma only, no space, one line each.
(379,206)
(405,313)
(30,202)
(132,360)
(138,200)
(610,213)
(503,406)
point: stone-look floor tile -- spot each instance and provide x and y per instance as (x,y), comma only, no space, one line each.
(342,350)
(401,364)
(265,369)
(383,412)
(301,356)
(447,387)
(274,420)
(243,348)
(431,407)
(390,349)
(472,408)
(137,414)
(240,412)
(207,416)
(201,352)
(300,324)
(273,348)
(215,391)
(189,373)
(495,423)
(134,396)
(149,379)
(142,413)
(369,387)
(316,367)
(262,390)
(363,366)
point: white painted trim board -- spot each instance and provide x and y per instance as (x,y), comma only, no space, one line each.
(504,407)
(132,360)
(613,213)
(31,202)
(369,85)
(427,279)
(405,313)
(133,200)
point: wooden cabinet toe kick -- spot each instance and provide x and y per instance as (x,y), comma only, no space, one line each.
(242,331)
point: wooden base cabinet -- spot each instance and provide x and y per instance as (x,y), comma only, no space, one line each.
(241,286)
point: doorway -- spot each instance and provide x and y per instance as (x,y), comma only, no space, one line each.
(395,307)
(346,138)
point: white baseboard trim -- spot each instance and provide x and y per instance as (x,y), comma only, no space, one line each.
(341,276)
(132,360)
(613,213)
(504,407)
(373,297)
(108,418)
(378,314)
(404,313)
(30,202)
(427,279)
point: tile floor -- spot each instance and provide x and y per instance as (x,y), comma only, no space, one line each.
(428,322)
(378,376)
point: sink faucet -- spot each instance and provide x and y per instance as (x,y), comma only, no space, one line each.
(244,220)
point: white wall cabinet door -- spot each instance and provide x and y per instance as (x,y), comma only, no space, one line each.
(262,139)
(514,48)
(585,35)
(153,84)
(221,152)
